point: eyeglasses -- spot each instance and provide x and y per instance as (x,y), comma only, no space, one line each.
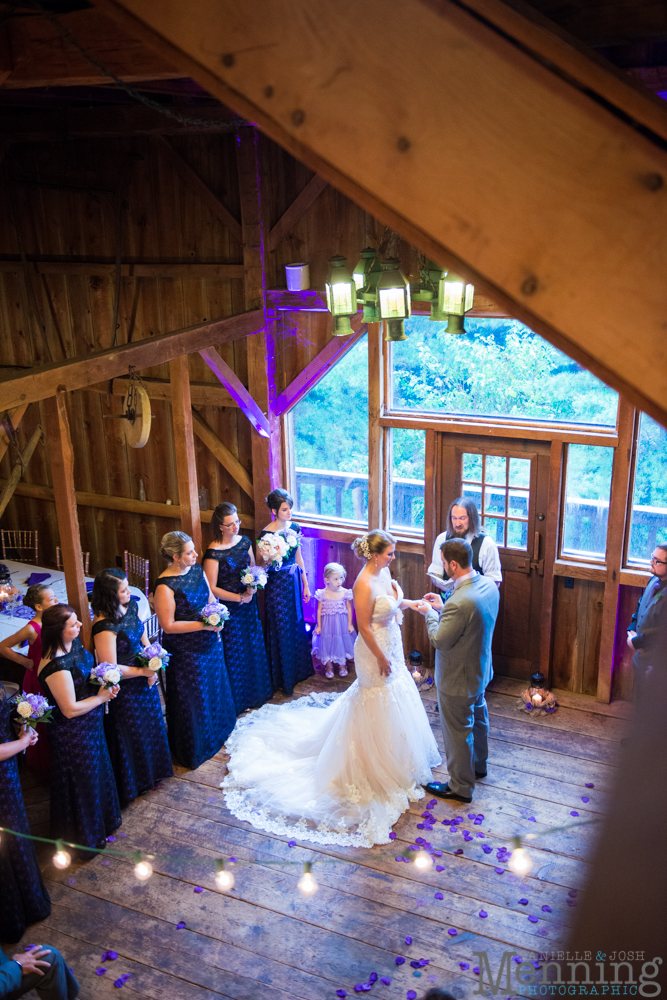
(659,562)
(232,524)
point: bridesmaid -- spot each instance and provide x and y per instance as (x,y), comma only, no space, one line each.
(200,704)
(134,728)
(23,899)
(39,597)
(84,800)
(288,643)
(242,637)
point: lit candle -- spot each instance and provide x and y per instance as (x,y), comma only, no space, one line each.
(537,699)
(416,676)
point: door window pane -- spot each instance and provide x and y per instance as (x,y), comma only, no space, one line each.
(504,511)
(328,432)
(408,459)
(587,489)
(498,368)
(649,500)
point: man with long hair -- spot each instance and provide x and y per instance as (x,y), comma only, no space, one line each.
(463,522)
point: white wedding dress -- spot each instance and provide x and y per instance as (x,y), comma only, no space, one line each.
(337,768)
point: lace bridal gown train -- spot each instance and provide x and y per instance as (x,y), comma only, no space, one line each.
(337,768)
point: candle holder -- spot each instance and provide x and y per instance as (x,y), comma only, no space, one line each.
(537,700)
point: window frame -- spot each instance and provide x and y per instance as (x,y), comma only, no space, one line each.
(404,533)
(566,558)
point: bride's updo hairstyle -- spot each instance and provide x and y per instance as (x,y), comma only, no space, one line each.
(373,543)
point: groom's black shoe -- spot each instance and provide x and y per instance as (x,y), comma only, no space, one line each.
(445,792)
(480,774)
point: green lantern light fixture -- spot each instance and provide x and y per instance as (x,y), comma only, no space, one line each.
(393,296)
(455,299)
(430,288)
(366,275)
(341,292)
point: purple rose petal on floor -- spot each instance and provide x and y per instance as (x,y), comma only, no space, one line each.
(499,871)
(373,978)
(536,965)
(546,909)
(573,812)
(341,993)
(415,964)
(122,835)
(440,868)
(523,902)
(392,835)
(483,914)
(533,919)
(480,835)
(433,802)
(460,851)
(198,889)
(100,972)
(437,854)
(585,798)
(420,826)
(589,784)
(452,932)
(476,970)
(180,925)
(400,960)
(385,980)
(438,895)
(464,965)
(446,822)
(111,839)
(71,881)
(424,961)
(232,861)
(487,848)
(531,819)
(109,956)
(408,940)
(517,959)
(398,858)
(419,840)
(211,799)
(106,862)
(291,843)
(411,995)
(572,892)
(472,816)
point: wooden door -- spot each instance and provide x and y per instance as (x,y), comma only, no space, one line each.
(509,481)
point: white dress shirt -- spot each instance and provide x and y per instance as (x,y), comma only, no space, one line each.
(489,561)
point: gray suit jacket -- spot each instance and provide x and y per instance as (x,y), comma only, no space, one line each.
(461,634)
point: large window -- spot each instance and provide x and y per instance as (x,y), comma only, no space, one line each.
(499,368)
(500,487)
(407,479)
(649,500)
(329,443)
(587,491)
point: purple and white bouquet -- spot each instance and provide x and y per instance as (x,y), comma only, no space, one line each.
(32,708)
(214,613)
(273,547)
(107,675)
(254,578)
(154,656)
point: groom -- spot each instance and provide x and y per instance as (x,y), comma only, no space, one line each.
(461,632)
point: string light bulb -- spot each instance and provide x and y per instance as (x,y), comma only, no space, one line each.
(224,878)
(519,862)
(307,885)
(423,861)
(61,859)
(143,869)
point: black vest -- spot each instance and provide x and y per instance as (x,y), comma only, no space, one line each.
(475,545)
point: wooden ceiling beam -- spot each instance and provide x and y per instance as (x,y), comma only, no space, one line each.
(525,175)
(80,372)
(299,206)
(61,124)
(14,417)
(203,393)
(221,452)
(230,380)
(131,269)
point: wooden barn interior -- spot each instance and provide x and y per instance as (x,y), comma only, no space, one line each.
(161,163)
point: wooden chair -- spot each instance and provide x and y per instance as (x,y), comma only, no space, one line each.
(154,633)
(86,561)
(20,545)
(139,568)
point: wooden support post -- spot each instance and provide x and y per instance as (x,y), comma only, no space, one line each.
(227,377)
(17,471)
(267,470)
(430,484)
(184,444)
(14,417)
(376,458)
(550,553)
(61,457)
(619,501)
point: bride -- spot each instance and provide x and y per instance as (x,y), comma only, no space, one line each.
(341,768)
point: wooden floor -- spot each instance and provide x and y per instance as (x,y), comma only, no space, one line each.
(264,941)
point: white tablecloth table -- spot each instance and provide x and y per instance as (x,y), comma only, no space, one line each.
(20,573)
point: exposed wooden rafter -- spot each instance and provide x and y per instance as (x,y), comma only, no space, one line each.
(536,189)
(228,377)
(299,206)
(202,393)
(221,452)
(80,372)
(19,467)
(14,418)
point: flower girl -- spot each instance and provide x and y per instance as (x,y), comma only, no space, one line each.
(333,642)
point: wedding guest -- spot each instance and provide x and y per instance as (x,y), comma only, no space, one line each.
(647,627)
(287,641)
(225,562)
(23,899)
(200,704)
(38,968)
(84,800)
(39,597)
(134,727)
(333,642)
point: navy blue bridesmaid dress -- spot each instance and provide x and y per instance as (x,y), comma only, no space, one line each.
(200,704)
(23,895)
(287,642)
(134,727)
(84,800)
(242,636)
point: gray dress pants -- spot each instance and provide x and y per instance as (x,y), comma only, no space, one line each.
(465,729)
(57,983)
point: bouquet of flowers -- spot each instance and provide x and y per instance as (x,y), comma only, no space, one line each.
(32,708)
(154,656)
(107,675)
(214,613)
(291,538)
(255,578)
(273,548)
